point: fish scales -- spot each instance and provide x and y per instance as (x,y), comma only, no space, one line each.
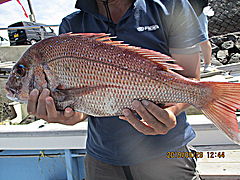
(118,67)
(132,86)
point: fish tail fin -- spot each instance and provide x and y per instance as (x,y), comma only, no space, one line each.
(222,108)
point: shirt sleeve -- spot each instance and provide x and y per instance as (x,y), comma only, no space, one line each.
(64,27)
(188,50)
(184,28)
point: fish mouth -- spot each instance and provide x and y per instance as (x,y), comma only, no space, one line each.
(11,90)
(12,95)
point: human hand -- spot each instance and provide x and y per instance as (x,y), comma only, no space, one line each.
(155,120)
(42,106)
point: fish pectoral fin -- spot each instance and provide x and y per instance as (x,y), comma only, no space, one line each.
(62,94)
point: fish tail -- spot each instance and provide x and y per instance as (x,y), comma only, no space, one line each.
(222,107)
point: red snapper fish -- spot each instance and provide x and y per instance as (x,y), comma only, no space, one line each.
(100,77)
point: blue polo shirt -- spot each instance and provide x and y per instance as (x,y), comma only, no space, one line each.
(154,24)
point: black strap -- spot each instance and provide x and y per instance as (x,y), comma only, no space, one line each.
(105,3)
(127,172)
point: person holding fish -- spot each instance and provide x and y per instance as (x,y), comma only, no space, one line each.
(121,88)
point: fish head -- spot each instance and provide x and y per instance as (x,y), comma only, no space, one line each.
(25,76)
(17,83)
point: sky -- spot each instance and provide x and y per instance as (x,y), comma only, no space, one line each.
(48,12)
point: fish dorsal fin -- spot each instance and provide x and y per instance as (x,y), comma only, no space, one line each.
(90,35)
(158,58)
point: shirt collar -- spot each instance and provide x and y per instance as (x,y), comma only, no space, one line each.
(159,2)
(87,6)
(90,6)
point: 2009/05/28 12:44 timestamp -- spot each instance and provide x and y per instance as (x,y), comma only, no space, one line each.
(197,154)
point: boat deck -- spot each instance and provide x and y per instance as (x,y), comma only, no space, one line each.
(214,167)
(209,140)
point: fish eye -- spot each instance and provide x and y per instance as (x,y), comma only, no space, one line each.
(20,70)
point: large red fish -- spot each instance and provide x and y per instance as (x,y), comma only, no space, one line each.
(98,76)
